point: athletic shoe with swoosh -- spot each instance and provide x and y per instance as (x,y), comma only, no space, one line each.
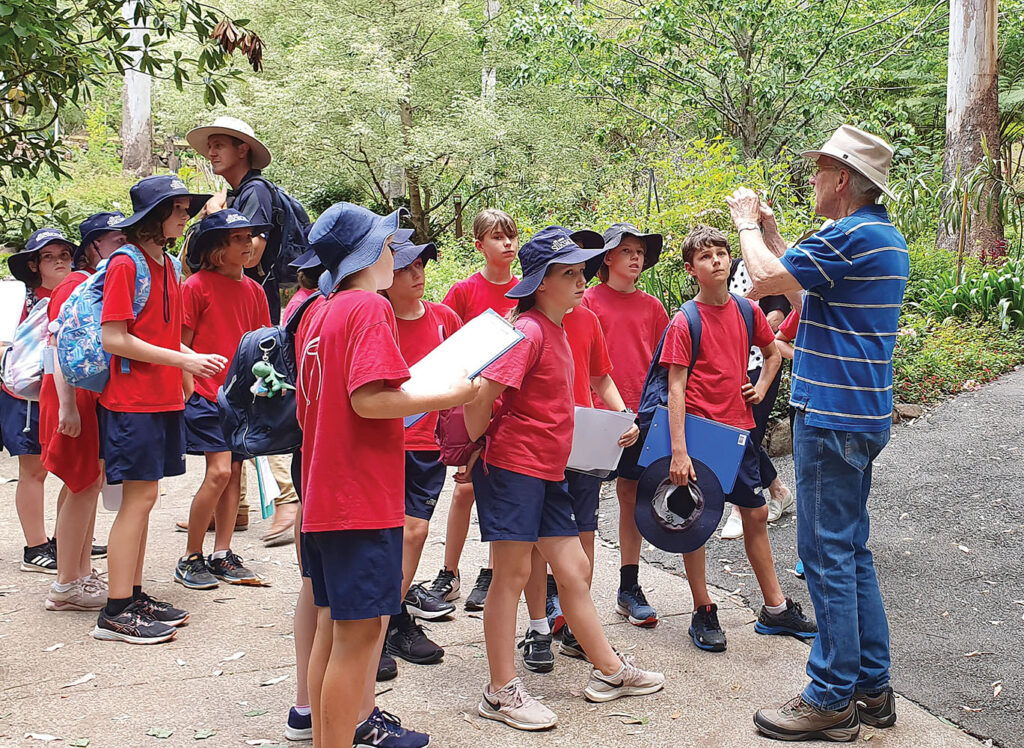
(628,681)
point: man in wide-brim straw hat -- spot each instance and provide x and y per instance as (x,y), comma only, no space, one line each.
(852,274)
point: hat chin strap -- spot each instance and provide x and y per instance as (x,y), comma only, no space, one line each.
(667,500)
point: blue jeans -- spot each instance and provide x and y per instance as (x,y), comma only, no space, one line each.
(833,477)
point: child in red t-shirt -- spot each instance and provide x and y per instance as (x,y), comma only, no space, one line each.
(140,410)
(521,493)
(633,322)
(350,409)
(717,388)
(220,303)
(71,449)
(497,239)
(422,325)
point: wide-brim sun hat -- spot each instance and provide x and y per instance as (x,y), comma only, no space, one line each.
(348,238)
(150,192)
(863,152)
(215,225)
(653,243)
(232,126)
(551,246)
(93,227)
(587,239)
(406,253)
(18,262)
(678,519)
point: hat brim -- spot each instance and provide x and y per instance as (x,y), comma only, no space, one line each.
(18,262)
(198,137)
(89,239)
(363,254)
(406,257)
(196,203)
(588,239)
(591,258)
(849,164)
(694,536)
(305,261)
(202,241)
(653,244)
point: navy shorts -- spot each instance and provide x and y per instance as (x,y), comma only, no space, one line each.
(627,467)
(513,506)
(424,479)
(585,492)
(203,432)
(142,446)
(355,573)
(15,415)
(748,491)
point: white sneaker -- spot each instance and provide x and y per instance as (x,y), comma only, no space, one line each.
(80,596)
(515,707)
(733,528)
(776,508)
(628,681)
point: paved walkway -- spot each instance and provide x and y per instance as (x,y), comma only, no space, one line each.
(211,678)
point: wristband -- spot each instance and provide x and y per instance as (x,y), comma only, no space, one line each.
(748,227)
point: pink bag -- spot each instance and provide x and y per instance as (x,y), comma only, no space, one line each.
(453,439)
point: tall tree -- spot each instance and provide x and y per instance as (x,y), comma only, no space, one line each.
(136,107)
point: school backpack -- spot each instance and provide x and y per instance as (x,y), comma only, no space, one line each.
(255,425)
(80,353)
(655,391)
(22,367)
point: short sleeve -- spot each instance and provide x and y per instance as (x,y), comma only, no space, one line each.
(763,334)
(119,290)
(600,362)
(511,368)
(820,259)
(454,300)
(450,321)
(255,202)
(373,356)
(194,302)
(789,325)
(659,321)
(677,343)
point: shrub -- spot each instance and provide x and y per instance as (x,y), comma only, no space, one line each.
(994,295)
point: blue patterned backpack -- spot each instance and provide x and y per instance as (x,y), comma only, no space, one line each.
(80,354)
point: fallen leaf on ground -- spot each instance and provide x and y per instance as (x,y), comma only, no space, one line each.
(40,736)
(84,679)
(218,672)
(628,719)
(180,662)
(274,681)
(235,656)
(204,734)
(976,653)
(675,715)
(160,732)
(265,625)
(997,688)
(964,548)
(255,713)
(54,647)
(79,743)
(969,709)
(470,721)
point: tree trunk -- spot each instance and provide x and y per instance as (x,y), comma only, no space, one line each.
(972,111)
(418,214)
(489,74)
(136,116)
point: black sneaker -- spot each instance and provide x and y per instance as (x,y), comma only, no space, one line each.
(98,551)
(387,668)
(230,569)
(422,603)
(41,558)
(446,585)
(132,625)
(160,611)
(405,639)
(570,646)
(553,607)
(876,710)
(790,622)
(193,573)
(537,654)
(478,596)
(705,630)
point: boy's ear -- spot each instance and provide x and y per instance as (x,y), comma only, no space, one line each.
(479,245)
(689,269)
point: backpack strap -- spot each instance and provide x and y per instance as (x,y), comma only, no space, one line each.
(747,311)
(291,326)
(696,328)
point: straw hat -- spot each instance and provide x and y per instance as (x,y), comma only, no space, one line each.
(863,152)
(235,128)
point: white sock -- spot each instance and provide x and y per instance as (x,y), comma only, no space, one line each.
(540,625)
(776,609)
(303,710)
(57,586)
(220,554)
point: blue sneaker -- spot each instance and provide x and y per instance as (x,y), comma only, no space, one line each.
(556,619)
(790,622)
(299,727)
(383,730)
(800,569)
(633,605)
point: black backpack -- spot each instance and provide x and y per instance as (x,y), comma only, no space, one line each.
(655,391)
(254,425)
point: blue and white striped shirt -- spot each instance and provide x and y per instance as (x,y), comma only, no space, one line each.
(854,273)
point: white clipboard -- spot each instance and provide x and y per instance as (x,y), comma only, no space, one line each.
(595,440)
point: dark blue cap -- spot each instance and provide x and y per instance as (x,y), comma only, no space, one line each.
(550,246)
(214,225)
(148,193)
(93,227)
(652,242)
(406,253)
(18,262)
(348,238)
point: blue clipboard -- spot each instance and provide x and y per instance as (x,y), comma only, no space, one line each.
(718,446)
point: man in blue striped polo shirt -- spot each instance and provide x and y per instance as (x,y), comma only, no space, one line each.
(852,275)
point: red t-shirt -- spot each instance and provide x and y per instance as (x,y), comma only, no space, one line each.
(632,324)
(294,303)
(534,434)
(146,388)
(40,294)
(789,325)
(417,338)
(473,296)
(353,468)
(220,310)
(589,352)
(713,387)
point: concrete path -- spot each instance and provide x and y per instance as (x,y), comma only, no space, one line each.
(200,683)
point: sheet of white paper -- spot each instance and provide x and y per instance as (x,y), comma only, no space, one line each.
(476,344)
(270,488)
(595,439)
(12,304)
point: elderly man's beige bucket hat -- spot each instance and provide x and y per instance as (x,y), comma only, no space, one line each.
(236,128)
(863,152)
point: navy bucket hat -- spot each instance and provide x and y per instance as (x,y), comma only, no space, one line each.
(18,262)
(309,259)
(678,519)
(553,245)
(652,242)
(406,253)
(348,238)
(150,192)
(588,239)
(93,227)
(216,224)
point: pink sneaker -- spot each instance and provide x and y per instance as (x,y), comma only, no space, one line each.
(84,594)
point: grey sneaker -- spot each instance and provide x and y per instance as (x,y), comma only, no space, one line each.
(570,645)
(537,651)
(628,681)
(80,596)
(193,573)
(516,708)
(798,720)
(878,710)
(230,569)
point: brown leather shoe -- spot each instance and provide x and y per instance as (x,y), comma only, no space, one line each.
(798,720)
(878,710)
(282,529)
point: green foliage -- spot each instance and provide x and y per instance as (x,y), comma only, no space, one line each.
(994,295)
